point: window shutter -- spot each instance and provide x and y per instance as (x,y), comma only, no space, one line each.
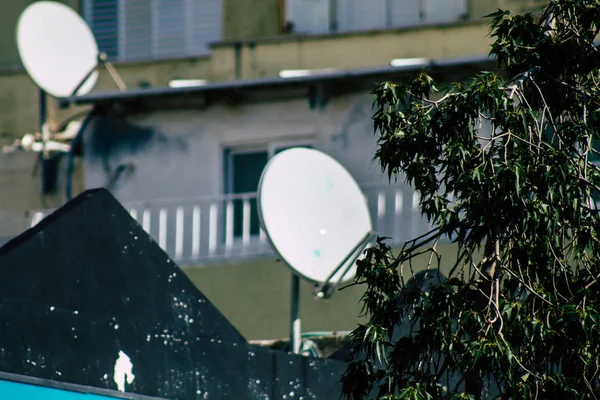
(361,15)
(135,30)
(405,13)
(204,21)
(169,28)
(132,30)
(309,16)
(102,17)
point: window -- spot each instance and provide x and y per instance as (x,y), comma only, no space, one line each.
(130,30)
(244,169)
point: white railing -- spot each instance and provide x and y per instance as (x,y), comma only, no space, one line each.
(225,228)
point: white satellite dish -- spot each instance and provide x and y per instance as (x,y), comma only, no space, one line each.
(313,212)
(59,50)
(316,217)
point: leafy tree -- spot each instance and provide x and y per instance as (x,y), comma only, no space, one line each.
(504,166)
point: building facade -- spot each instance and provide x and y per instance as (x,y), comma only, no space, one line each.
(186,162)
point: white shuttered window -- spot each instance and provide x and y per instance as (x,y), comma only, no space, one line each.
(310,16)
(313,16)
(130,30)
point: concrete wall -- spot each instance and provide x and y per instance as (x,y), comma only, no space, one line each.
(179,153)
(20,190)
(9,15)
(353,50)
(9,57)
(255,297)
(244,19)
(19,97)
(177,158)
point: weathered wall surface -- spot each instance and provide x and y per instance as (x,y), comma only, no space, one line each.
(19,97)
(245,19)
(179,153)
(267,57)
(20,190)
(167,162)
(9,57)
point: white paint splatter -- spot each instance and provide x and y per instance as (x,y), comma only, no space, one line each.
(123,369)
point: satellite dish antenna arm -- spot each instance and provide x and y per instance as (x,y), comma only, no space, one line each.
(104,61)
(325,289)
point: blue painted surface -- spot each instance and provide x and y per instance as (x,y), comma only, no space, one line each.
(21,391)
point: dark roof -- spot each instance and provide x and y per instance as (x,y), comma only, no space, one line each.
(338,76)
(88,282)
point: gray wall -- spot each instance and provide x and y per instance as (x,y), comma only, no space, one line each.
(179,153)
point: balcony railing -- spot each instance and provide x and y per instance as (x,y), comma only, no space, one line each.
(225,229)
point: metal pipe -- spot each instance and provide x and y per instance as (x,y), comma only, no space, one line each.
(237,49)
(295,314)
(43,110)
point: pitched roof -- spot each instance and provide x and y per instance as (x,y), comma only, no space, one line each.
(88,282)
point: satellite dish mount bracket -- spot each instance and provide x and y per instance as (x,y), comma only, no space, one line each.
(325,289)
(105,62)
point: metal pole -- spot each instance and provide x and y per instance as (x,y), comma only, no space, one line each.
(295,314)
(43,111)
(43,114)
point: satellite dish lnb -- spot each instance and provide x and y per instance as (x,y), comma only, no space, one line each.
(314,214)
